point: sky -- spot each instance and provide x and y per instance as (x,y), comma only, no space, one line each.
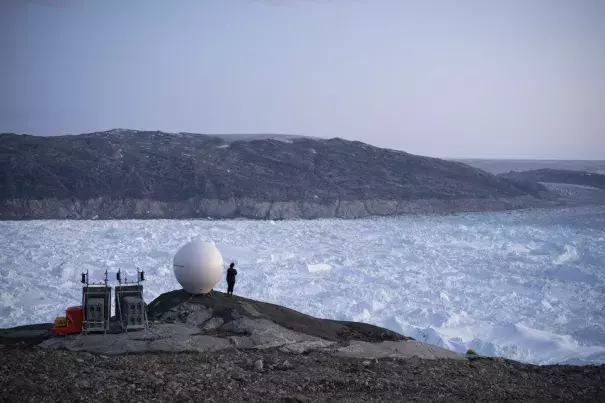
(448,79)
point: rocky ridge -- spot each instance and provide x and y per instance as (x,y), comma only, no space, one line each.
(137,174)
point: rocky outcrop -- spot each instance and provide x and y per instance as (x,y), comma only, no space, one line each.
(198,310)
(133,174)
(245,334)
(195,326)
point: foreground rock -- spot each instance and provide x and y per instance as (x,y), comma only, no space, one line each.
(35,375)
(136,174)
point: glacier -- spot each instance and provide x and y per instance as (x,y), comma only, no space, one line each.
(527,285)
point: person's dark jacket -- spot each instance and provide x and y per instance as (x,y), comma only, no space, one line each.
(231,273)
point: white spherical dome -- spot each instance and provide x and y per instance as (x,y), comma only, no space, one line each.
(198,267)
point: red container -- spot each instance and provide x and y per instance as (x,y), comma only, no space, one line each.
(75,317)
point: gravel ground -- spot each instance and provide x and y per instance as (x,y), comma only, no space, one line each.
(33,375)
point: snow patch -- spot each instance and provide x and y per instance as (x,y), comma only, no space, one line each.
(570,254)
(319,267)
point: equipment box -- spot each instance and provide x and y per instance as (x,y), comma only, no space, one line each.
(123,291)
(97,308)
(130,306)
(134,312)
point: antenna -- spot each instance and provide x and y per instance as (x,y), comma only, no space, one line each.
(140,275)
(84,279)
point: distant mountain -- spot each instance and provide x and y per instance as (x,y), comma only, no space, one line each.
(558,176)
(498,166)
(150,174)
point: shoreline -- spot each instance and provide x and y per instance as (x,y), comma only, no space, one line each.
(544,205)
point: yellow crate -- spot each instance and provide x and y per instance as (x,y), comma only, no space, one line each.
(61,321)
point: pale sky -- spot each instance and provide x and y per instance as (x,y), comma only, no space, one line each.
(449,79)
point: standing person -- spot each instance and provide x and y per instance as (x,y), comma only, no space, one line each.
(231,273)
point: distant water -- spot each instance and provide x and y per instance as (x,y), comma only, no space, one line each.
(528,285)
